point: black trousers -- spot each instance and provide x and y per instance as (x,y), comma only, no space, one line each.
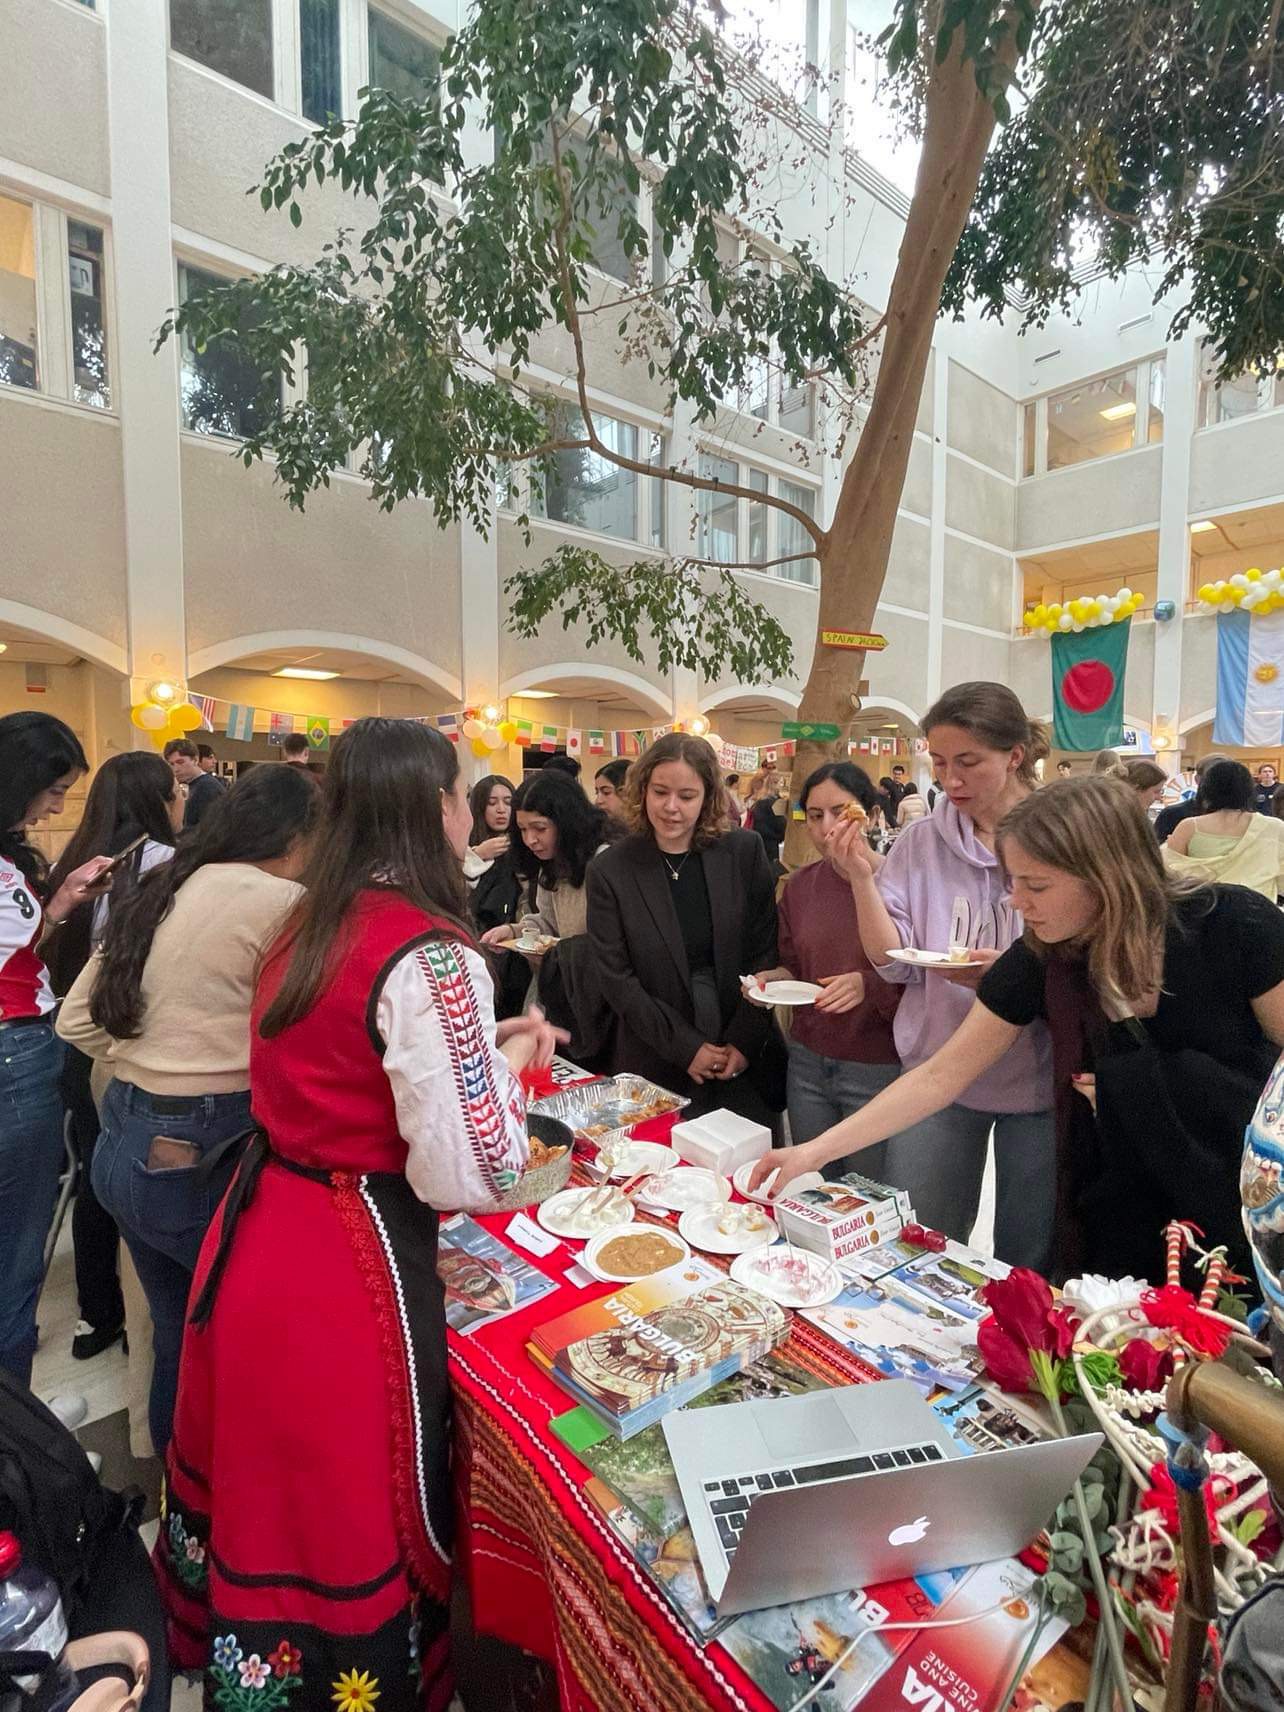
(93,1230)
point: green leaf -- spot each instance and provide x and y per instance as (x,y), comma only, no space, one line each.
(296,214)
(1249,1526)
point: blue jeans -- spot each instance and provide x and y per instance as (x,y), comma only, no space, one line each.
(823,1091)
(941,1162)
(163,1214)
(31,1158)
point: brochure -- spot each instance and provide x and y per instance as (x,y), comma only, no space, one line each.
(484,1279)
(904,1334)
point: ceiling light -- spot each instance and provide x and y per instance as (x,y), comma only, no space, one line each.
(1117,412)
(309,672)
(4,647)
(537,695)
(1203,526)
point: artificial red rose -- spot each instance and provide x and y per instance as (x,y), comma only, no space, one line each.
(1063,1326)
(1021,1303)
(1007,1360)
(1145,1367)
(1026,1337)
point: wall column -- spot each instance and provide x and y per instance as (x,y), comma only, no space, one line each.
(138,126)
(1181,402)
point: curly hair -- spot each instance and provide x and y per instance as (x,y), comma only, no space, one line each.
(699,756)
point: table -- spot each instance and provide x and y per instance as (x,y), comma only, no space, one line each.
(544,1570)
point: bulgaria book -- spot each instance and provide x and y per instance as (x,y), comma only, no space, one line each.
(842,1219)
(635,1372)
(631,1301)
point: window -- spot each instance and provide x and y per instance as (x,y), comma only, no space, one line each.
(1243,395)
(585,489)
(658,489)
(222,392)
(759,515)
(718,512)
(233,37)
(797,410)
(1155,418)
(1092,420)
(319,60)
(90,381)
(1029,426)
(793,537)
(18,338)
(404,64)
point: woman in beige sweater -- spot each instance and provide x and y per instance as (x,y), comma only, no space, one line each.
(166,1002)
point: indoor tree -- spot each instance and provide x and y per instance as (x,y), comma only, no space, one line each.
(1129,131)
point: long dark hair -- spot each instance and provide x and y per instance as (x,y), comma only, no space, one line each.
(381,825)
(581,828)
(479,800)
(129,798)
(256,821)
(36,750)
(848,777)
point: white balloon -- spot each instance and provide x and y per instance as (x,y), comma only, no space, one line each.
(1077,627)
(1239,580)
(1107,617)
(1065,622)
(1272,577)
(1123,595)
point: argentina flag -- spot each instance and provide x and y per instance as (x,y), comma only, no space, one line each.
(1250,681)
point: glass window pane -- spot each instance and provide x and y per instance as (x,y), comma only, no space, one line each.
(717,511)
(587,490)
(401,62)
(90,382)
(797,414)
(222,392)
(1155,427)
(1029,421)
(18,366)
(757,517)
(1235,398)
(319,59)
(793,537)
(230,36)
(1092,420)
(1277,391)
(659,489)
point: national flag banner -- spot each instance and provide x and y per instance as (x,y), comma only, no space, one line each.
(548,739)
(347,723)
(616,740)
(1088,686)
(575,743)
(280,726)
(1250,680)
(204,705)
(240,722)
(448,725)
(789,748)
(597,742)
(318,731)
(659,731)
(525,731)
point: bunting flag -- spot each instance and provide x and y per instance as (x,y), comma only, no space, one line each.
(280,726)
(575,743)
(448,725)
(548,741)
(659,731)
(525,731)
(204,705)
(597,742)
(240,722)
(318,731)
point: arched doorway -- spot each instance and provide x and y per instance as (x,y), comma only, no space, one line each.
(565,703)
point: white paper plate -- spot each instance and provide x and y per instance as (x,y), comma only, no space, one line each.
(554,1214)
(808,1180)
(783,992)
(683,1187)
(700,1227)
(828,1281)
(638,1156)
(589,1258)
(531,946)
(931,959)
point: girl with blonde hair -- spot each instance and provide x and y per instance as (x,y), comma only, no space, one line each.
(1165,1004)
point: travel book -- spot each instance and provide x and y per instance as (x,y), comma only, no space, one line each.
(484,1279)
(631,1301)
(843,1218)
(904,1333)
(671,1561)
(632,1373)
(985,1420)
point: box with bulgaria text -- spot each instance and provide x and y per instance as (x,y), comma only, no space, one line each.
(844,1218)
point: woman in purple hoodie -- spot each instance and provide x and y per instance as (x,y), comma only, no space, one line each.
(942,885)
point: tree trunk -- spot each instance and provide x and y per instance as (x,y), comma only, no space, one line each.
(958,125)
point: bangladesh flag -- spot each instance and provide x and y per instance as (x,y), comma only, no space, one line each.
(1088,687)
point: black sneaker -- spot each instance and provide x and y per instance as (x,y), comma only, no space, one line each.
(90,1341)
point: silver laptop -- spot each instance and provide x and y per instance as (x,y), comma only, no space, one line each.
(797,1496)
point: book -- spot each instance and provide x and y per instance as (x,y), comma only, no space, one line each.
(643,1365)
(954,1278)
(671,1562)
(986,1420)
(842,1218)
(631,1302)
(484,1280)
(904,1334)
(639,1470)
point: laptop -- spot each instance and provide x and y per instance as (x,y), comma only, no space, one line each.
(793,1497)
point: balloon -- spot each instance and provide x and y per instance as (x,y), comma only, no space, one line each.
(507,730)
(1055,610)
(1273,578)
(1107,617)
(1239,580)
(1065,622)
(478,747)
(1254,575)
(472,728)
(160,738)
(491,740)
(1206,592)
(153,718)
(185,716)
(1125,594)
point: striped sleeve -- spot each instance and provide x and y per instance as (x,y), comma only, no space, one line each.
(460,1108)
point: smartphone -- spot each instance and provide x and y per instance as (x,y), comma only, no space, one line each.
(122,854)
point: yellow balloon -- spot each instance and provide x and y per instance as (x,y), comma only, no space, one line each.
(161,738)
(1206,593)
(478,748)
(1255,575)
(186,717)
(507,730)
(1054,611)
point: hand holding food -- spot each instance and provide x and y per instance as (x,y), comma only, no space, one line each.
(847,847)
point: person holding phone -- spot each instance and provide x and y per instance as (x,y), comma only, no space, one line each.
(166,999)
(40,760)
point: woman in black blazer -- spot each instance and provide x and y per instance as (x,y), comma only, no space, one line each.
(677,913)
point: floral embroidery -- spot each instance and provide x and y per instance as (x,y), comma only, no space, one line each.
(186,1554)
(254,1684)
(355,1692)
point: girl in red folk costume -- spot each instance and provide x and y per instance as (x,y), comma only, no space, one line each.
(305,1551)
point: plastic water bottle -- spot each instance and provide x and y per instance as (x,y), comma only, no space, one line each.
(32,1620)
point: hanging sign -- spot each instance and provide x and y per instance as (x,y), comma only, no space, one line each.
(871,642)
(809,733)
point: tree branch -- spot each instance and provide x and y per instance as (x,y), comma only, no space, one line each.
(741,564)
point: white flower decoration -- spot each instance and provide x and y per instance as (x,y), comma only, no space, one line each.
(1092,1293)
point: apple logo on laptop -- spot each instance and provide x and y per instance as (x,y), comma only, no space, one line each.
(910,1533)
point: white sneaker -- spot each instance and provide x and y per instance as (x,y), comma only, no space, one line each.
(69,1408)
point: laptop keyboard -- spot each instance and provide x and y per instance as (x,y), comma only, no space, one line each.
(729,1500)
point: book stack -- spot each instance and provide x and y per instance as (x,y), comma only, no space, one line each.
(845,1218)
(632,1371)
(622,1307)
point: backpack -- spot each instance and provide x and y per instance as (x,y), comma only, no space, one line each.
(49,1494)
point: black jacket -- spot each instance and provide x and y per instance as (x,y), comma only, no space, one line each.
(642,963)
